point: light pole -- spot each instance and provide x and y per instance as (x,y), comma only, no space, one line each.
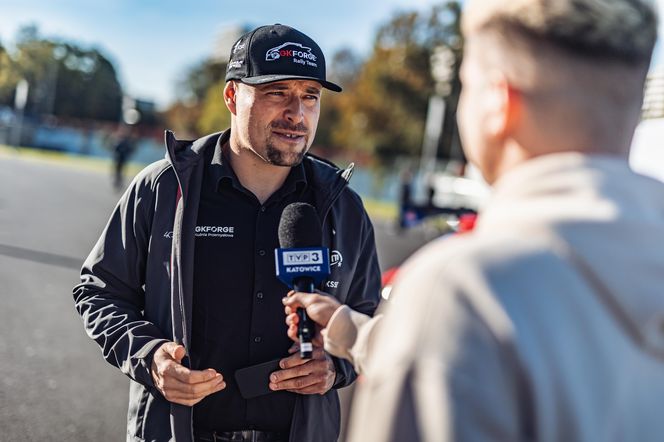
(442,63)
(20,100)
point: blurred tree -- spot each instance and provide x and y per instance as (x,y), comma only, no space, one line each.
(65,80)
(343,69)
(198,79)
(384,111)
(182,118)
(383,108)
(200,108)
(8,78)
(86,85)
(215,116)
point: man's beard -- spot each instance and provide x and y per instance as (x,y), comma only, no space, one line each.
(277,157)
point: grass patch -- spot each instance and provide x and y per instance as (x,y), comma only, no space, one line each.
(101,165)
(381,210)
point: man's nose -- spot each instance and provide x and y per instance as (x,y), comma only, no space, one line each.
(294,110)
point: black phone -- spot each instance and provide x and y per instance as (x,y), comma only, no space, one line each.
(253,381)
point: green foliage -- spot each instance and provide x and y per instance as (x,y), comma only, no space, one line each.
(64,79)
(198,80)
(200,108)
(383,112)
(215,116)
(87,86)
(8,78)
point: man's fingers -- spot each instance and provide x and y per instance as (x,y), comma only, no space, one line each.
(294,365)
(177,383)
(280,376)
(292,333)
(292,318)
(174,390)
(174,350)
(297,383)
(293,360)
(298,299)
(177,389)
(314,376)
(320,307)
(188,376)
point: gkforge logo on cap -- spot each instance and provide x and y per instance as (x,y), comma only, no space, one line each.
(298,52)
(277,53)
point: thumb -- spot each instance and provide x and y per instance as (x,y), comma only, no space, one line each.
(297,299)
(175,350)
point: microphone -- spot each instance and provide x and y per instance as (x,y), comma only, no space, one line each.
(301,261)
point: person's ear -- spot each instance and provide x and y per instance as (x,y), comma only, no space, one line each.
(230,96)
(504,104)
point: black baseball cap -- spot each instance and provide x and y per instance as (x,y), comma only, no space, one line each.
(274,53)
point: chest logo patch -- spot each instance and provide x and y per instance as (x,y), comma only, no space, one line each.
(336,259)
(215,232)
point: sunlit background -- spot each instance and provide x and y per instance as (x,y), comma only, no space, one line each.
(80,77)
(87,67)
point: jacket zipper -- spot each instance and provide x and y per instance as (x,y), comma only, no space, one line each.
(178,221)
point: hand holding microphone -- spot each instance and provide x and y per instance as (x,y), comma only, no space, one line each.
(318,306)
(301,261)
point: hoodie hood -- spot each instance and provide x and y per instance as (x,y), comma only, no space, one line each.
(610,222)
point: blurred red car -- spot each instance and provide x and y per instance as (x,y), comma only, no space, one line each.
(466,224)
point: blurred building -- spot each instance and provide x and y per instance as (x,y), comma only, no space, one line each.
(653,101)
(137,111)
(647,153)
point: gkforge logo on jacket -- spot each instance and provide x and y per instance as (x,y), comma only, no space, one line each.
(297,52)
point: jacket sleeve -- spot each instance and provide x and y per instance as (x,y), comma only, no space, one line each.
(349,334)
(363,294)
(110,297)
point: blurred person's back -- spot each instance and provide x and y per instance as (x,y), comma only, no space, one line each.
(122,151)
(547,321)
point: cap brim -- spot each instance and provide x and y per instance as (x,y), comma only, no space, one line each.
(262,79)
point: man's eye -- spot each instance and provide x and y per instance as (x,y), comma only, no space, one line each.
(276,93)
(311,97)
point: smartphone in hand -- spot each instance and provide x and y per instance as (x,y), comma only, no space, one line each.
(254,381)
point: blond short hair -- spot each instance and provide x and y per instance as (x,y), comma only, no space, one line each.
(618,30)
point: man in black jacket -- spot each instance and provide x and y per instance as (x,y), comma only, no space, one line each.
(180,290)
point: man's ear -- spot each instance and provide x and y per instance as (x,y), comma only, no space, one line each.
(230,96)
(504,104)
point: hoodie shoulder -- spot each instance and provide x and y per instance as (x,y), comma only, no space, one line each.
(325,172)
(152,173)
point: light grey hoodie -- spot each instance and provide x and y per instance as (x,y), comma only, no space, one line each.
(546,323)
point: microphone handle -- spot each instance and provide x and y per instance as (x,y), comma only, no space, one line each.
(305,327)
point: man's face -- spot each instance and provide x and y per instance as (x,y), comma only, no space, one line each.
(479,106)
(278,121)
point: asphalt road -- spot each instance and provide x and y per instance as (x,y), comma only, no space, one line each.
(54,384)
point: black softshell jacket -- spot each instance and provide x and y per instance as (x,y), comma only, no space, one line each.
(136,285)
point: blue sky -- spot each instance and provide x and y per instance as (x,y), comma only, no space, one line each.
(153,41)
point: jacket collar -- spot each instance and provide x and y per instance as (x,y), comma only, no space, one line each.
(184,154)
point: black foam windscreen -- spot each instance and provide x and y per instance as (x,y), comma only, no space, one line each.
(300,227)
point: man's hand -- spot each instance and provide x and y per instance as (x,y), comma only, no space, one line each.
(304,376)
(179,384)
(320,308)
